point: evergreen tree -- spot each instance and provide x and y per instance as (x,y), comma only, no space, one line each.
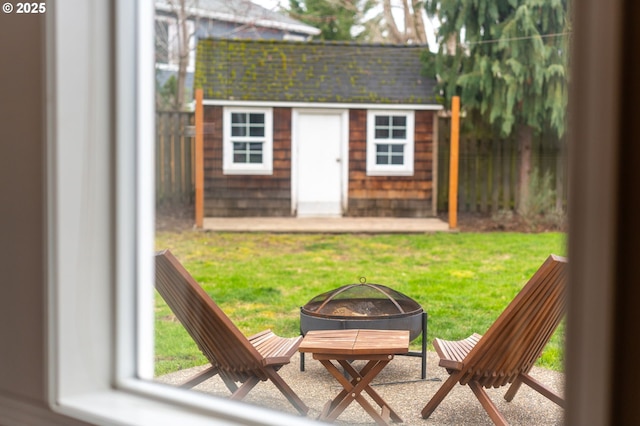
(507,60)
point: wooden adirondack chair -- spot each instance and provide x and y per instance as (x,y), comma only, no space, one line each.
(508,350)
(233,356)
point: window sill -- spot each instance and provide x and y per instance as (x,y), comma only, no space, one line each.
(173,67)
(246,172)
(389,172)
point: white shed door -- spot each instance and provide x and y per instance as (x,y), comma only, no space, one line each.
(319,143)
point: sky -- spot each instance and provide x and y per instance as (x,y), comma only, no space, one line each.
(275,5)
(271,4)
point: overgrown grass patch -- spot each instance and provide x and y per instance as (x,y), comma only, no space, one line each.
(463,280)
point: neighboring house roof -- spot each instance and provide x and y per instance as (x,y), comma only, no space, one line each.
(240,11)
(275,70)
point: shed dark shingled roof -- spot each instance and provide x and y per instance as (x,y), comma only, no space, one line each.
(285,71)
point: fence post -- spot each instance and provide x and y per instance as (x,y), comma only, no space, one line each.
(199,160)
(453,162)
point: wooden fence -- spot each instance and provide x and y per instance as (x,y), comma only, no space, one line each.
(488,170)
(175,152)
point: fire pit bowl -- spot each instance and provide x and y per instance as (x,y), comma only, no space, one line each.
(371,306)
(368,306)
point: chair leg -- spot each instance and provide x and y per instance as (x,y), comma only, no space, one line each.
(513,389)
(496,417)
(287,391)
(200,377)
(542,389)
(244,389)
(229,382)
(437,398)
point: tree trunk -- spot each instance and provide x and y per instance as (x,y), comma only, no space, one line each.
(394,33)
(524,135)
(452,44)
(183,54)
(421,32)
(413,24)
(409,24)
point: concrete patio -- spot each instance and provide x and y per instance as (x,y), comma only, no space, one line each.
(400,385)
(368,225)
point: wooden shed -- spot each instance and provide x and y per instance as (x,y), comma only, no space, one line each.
(317,129)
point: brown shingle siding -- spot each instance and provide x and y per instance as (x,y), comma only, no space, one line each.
(248,195)
(388,196)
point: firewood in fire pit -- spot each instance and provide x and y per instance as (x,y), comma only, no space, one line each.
(346,312)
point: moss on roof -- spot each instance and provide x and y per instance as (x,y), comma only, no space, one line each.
(275,70)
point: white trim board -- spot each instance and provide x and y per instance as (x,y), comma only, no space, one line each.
(260,22)
(320,105)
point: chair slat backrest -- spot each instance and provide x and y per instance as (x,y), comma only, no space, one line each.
(516,339)
(222,343)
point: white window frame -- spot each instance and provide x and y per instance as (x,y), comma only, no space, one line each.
(172,44)
(100,228)
(170,35)
(231,168)
(405,169)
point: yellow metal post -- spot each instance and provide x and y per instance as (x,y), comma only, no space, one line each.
(453,162)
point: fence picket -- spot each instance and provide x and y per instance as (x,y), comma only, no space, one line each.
(488,170)
(495,174)
(174,157)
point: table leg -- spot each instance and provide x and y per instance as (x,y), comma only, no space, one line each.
(353,390)
(343,399)
(364,372)
(355,377)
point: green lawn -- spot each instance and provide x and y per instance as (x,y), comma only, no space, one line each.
(463,280)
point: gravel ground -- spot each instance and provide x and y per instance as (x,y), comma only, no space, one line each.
(400,385)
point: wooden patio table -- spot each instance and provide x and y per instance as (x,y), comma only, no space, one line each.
(376,346)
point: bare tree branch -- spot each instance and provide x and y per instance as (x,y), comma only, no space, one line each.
(412,22)
(183,53)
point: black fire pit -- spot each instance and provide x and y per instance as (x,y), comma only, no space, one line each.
(370,306)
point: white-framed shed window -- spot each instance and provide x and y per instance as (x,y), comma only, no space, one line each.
(390,143)
(247,143)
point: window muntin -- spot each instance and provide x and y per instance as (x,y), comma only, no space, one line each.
(244,124)
(390,143)
(247,141)
(247,152)
(390,127)
(388,154)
